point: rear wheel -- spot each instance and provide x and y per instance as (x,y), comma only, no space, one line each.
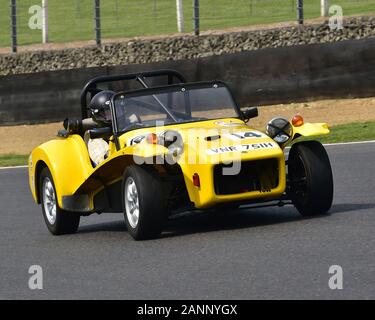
(310,178)
(58,221)
(143,203)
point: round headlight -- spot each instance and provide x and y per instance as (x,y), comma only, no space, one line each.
(173,141)
(279,129)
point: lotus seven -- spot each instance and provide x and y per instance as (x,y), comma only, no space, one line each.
(151,145)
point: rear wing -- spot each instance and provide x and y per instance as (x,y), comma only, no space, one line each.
(91,87)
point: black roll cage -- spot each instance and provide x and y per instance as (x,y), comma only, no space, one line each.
(91,86)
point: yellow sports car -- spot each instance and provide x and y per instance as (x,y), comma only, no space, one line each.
(170,146)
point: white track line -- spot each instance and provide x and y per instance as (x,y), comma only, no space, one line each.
(325,144)
(15,167)
(344,143)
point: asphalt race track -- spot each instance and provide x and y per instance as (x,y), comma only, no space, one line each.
(245,254)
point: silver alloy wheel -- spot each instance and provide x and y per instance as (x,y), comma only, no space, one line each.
(49,200)
(131,202)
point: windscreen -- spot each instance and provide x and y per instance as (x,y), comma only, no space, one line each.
(173,105)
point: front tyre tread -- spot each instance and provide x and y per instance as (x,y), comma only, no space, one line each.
(65,222)
(310,176)
(151,204)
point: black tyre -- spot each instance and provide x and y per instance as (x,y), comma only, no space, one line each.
(228,207)
(310,178)
(143,203)
(58,221)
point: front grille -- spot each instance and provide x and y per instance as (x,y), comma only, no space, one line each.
(259,175)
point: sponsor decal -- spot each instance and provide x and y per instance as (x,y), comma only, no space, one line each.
(242,148)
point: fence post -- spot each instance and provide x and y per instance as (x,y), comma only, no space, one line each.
(13,25)
(196,17)
(324,5)
(97,23)
(45,21)
(300,12)
(180,16)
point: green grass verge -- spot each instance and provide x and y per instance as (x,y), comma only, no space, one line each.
(8,160)
(72,20)
(341,133)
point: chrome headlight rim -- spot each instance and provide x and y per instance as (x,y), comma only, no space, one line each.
(175,147)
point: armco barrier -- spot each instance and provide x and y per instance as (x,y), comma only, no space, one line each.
(266,76)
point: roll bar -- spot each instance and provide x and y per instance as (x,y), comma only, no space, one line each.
(91,86)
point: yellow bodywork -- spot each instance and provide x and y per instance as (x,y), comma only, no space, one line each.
(73,174)
(311,129)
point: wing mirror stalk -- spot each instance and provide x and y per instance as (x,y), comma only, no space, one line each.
(249,113)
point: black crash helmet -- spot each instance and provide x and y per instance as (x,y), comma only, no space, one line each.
(99,107)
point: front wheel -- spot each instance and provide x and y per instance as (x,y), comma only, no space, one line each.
(58,221)
(143,203)
(310,178)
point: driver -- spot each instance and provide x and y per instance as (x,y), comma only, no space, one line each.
(101,114)
(99,108)
(100,111)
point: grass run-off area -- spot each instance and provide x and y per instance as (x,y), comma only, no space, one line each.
(7,160)
(72,20)
(340,133)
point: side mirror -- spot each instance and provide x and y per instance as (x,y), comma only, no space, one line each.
(250,113)
(78,126)
(103,133)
